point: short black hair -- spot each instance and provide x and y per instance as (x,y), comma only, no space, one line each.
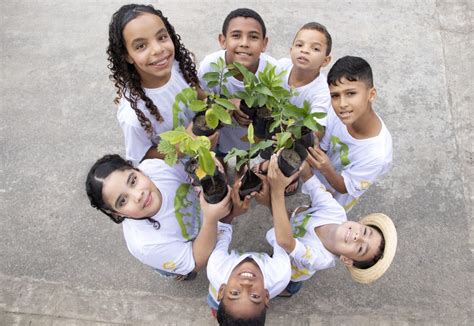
(322,29)
(224,318)
(369,263)
(246,13)
(352,69)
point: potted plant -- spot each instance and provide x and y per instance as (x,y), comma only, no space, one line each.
(262,97)
(213,110)
(250,181)
(200,165)
(292,155)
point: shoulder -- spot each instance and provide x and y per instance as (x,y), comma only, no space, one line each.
(126,115)
(158,169)
(212,57)
(265,58)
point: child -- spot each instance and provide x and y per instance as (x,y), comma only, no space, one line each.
(357,147)
(243,40)
(309,53)
(241,284)
(149,66)
(320,234)
(162,221)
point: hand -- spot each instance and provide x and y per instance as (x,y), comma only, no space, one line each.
(215,212)
(263,196)
(214,139)
(240,207)
(241,118)
(319,160)
(277,180)
(305,171)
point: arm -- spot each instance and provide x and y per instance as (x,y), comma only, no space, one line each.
(319,160)
(206,239)
(278,182)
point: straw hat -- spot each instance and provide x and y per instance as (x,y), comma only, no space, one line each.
(386,226)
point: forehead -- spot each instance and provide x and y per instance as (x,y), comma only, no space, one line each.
(244,24)
(344,84)
(114,185)
(311,35)
(144,25)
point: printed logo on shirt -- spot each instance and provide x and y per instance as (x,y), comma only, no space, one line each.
(169,265)
(364,185)
(307,254)
(297,273)
(343,150)
(299,227)
(187,214)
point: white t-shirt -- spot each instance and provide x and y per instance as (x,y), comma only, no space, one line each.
(276,270)
(367,159)
(168,248)
(230,135)
(309,254)
(137,140)
(316,92)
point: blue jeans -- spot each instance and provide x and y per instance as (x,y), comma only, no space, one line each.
(211,302)
(189,277)
(294,287)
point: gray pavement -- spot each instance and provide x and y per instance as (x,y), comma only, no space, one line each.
(62,263)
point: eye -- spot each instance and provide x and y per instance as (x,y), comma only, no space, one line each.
(334,96)
(234,35)
(255,37)
(122,202)
(234,292)
(360,250)
(365,231)
(163,37)
(255,296)
(316,49)
(134,180)
(351,93)
(140,46)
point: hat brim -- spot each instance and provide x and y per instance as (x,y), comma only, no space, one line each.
(389,233)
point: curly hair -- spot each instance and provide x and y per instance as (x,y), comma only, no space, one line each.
(124,75)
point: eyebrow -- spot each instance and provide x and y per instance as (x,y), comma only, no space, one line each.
(140,39)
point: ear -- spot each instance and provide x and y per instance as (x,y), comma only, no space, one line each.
(326,61)
(372,94)
(346,261)
(129,60)
(266,300)
(221,39)
(220,293)
(265,43)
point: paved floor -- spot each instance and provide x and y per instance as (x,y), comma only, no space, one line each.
(62,263)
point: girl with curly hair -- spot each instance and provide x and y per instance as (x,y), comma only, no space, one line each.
(149,66)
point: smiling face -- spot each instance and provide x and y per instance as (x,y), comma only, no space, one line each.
(356,242)
(309,49)
(352,100)
(244,41)
(150,49)
(244,294)
(131,194)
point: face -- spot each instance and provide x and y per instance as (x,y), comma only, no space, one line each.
(309,50)
(244,42)
(131,194)
(245,294)
(351,100)
(150,49)
(356,241)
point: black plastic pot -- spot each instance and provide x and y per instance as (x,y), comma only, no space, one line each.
(289,168)
(250,183)
(266,154)
(203,131)
(190,167)
(262,122)
(307,138)
(214,188)
(248,111)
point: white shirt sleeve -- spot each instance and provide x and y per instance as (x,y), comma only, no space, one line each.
(322,201)
(218,262)
(358,177)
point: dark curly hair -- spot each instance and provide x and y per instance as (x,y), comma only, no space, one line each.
(224,318)
(124,75)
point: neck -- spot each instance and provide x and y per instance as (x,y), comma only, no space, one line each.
(327,234)
(154,82)
(367,126)
(300,77)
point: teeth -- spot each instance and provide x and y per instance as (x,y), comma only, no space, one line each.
(246,275)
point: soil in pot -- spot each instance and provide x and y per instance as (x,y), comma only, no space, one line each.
(250,183)
(290,160)
(214,188)
(248,111)
(200,127)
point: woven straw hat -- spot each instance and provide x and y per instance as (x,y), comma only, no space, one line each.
(386,226)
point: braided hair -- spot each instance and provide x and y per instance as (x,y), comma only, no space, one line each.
(124,75)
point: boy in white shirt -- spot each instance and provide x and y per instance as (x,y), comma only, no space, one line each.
(309,53)
(243,40)
(317,236)
(357,147)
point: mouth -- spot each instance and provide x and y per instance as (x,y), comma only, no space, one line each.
(247,275)
(345,114)
(147,200)
(302,60)
(160,63)
(348,234)
(243,54)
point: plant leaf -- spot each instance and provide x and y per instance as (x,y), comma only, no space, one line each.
(211,119)
(206,162)
(250,134)
(225,103)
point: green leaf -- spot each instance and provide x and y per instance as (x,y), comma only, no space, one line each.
(221,114)
(206,162)
(310,123)
(260,146)
(211,119)
(250,134)
(211,76)
(343,150)
(283,139)
(225,103)
(319,115)
(235,152)
(197,105)
(175,136)
(212,83)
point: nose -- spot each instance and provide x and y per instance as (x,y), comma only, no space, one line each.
(137,196)
(156,47)
(244,41)
(304,49)
(342,102)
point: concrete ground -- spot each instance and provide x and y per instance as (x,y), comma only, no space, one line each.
(63,263)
